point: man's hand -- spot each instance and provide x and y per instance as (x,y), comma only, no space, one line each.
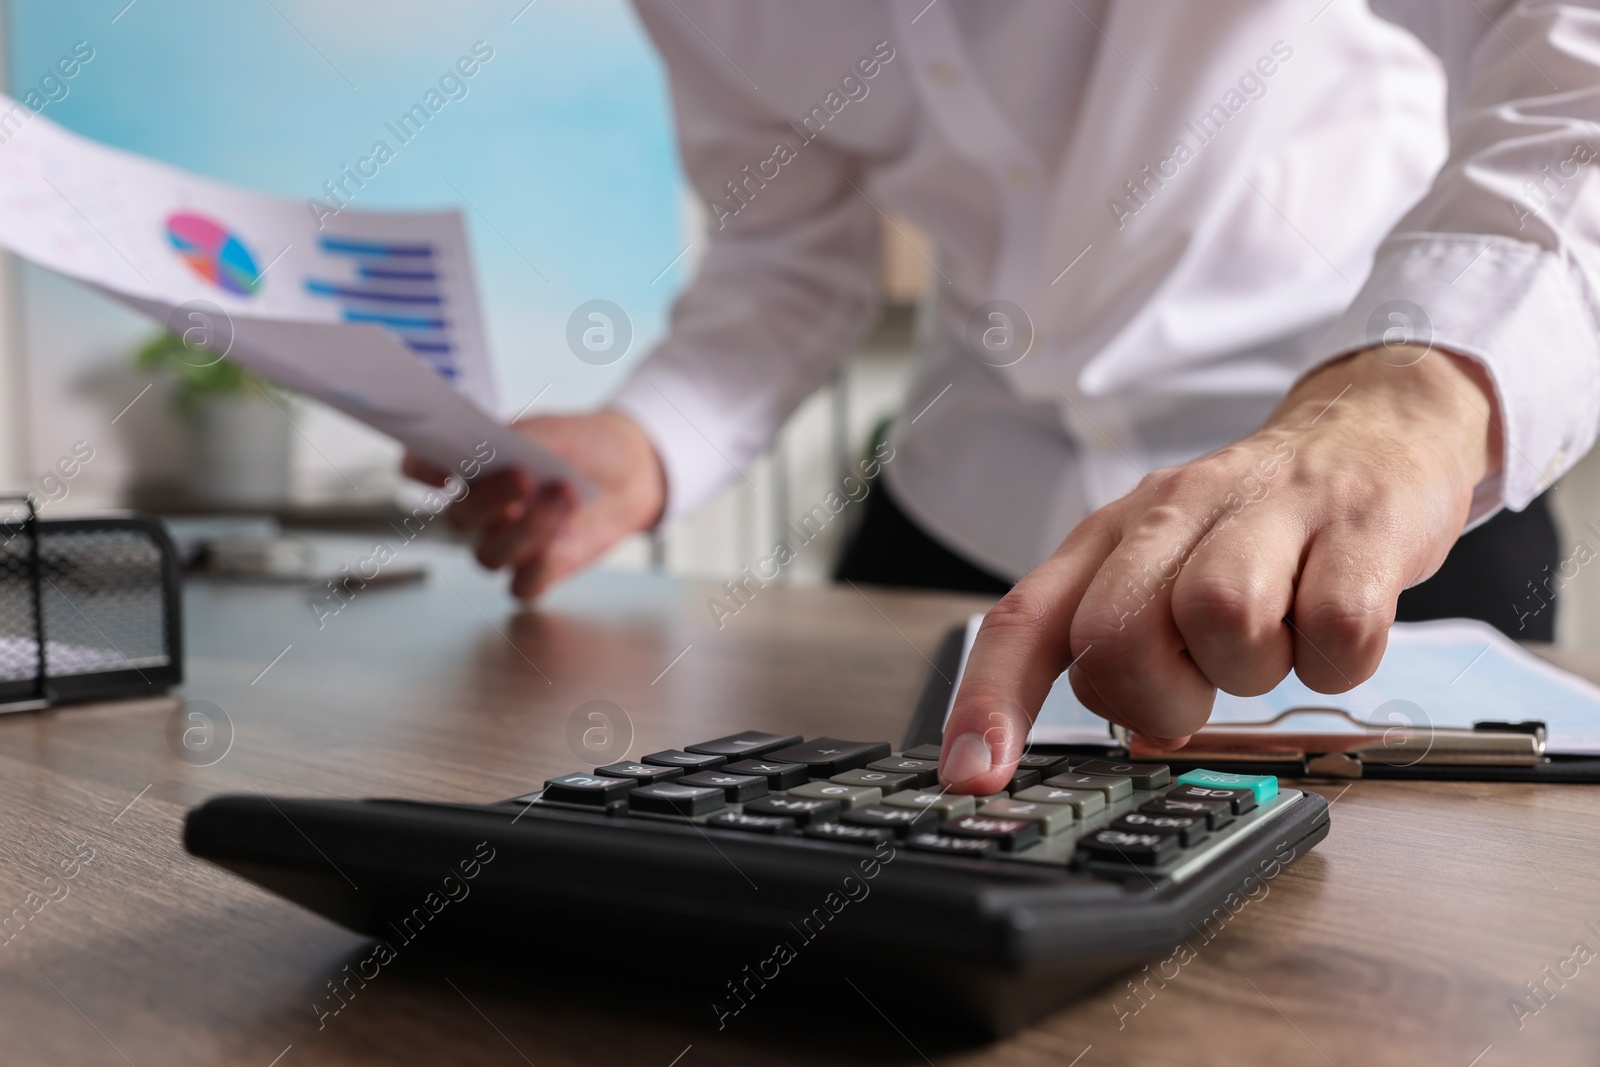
(1286,550)
(545,534)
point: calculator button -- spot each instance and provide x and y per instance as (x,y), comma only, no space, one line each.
(1009,834)
(800,809)
(1045,764)
(778,775)
(1113,786)
(1264,786)
(1217,813)
(590,789)
(1240,800)
(1052,818)
(1121,846)
(1024,778)
(670,798)
(692,761)
(736,788)
(887,781)
(641,772)
(847,795)
(924,772)
(1191,829)
(827,756)
(739,746)
(950,844)
(901,820)
(754,824)
(1144,775)
(1082,801)
(854,835)
(927,752)
(946,804)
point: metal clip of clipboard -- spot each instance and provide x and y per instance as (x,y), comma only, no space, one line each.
(1344,753)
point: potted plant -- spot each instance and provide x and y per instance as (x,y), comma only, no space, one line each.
(237,423)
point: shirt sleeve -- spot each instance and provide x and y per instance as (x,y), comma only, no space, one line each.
(789,281)
(1500,261)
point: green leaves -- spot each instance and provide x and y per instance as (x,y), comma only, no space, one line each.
(199,371)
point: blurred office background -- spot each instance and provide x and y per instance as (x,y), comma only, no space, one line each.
(561,155)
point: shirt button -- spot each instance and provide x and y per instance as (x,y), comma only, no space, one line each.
(942,74)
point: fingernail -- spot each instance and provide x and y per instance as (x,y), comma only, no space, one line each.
(968,758)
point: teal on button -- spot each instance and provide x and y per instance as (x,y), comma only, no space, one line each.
(1264,786)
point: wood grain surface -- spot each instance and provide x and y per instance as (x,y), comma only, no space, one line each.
(1407,937)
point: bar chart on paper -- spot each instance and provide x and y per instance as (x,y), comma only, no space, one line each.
(394,285)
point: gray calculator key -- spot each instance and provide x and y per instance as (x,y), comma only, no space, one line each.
(1010,834)
(741,746)
(1240,800)
(887,781)
(948,805)
(925,772)
(1052,818)
(1114,787)
(799,809)
(591,790)
(1191,829)
(902,821)
(852,835)
(927,752)
(1043,763)
(778,775)
(736,788)
(1144,775)
(1120,846)
(689,761)
(670,798)
(1082,801)
(642,772)
(1023,778)
(847,795)
(951,845)
(752,824)
(827,756)
(1217,813)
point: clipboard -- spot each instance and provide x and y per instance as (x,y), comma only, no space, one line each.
(1321,741)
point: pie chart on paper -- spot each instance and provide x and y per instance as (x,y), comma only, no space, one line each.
(214,253)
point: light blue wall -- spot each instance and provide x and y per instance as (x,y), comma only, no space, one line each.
(563,140)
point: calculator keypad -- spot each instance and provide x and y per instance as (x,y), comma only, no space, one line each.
(1098,815)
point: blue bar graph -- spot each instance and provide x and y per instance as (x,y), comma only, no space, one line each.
(386,277)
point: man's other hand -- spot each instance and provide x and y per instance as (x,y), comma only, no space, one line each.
(545,533)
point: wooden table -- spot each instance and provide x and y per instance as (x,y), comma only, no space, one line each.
(1401,939)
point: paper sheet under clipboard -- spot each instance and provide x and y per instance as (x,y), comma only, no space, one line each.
(1456,671)
(373,313)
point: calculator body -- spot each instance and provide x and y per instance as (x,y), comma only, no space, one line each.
(973,945)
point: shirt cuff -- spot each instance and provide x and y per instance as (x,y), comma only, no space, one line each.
(674,415)
(1518,310)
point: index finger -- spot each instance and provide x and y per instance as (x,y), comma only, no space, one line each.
(1021,649)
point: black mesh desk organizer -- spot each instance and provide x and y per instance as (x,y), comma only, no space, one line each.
(89,608)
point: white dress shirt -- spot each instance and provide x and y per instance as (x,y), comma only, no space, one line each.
(1192,204)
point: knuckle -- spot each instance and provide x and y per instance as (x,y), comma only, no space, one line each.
(1344,624)
(1219,603)
(1023,610)
(1112,634)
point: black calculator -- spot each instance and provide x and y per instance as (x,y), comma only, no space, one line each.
(753,857)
